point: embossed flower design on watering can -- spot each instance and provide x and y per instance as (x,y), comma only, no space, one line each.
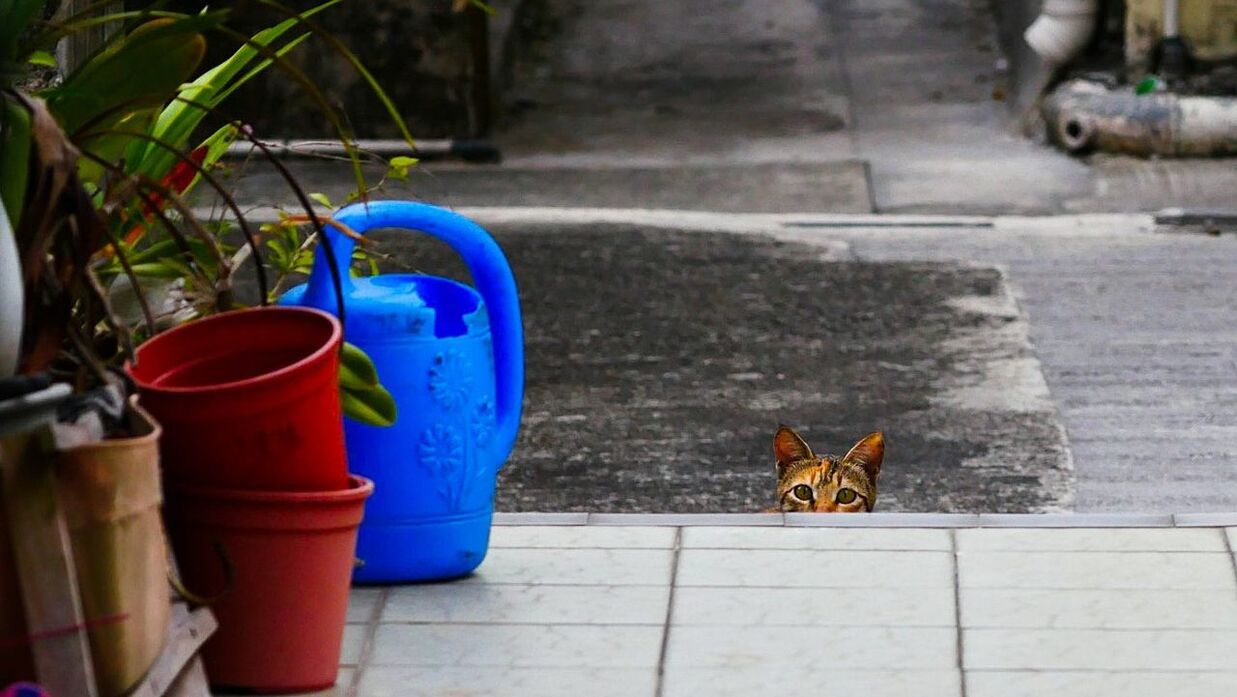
(450,380)
(441,454)
(443,451)
(484,421)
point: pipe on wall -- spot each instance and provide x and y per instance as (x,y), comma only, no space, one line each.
(1084,116)
(1062,29)
(1172,21)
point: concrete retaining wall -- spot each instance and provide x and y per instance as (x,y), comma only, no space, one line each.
(435,63)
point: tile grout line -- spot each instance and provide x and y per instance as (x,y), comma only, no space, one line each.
(1232,554)
(953,544)
(665,634)
(367,647)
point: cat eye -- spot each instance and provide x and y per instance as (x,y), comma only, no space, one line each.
(803,492)
(846,496)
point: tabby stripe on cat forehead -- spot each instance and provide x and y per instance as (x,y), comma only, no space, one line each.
(808,483)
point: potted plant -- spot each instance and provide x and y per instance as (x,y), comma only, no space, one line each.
(108,488)
(94,173)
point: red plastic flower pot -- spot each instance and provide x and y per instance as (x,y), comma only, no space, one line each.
(281,624)
(248,400)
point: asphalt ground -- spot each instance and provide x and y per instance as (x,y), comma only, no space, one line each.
(660,363)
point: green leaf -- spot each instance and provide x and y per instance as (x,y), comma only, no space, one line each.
(304,262)
(321,199)
(261,66)
(53,32)
(216,145)
(356,370)
(155,251)
(397,167)
(140,72)
(159,269)
(42,58)
(363,398)
(278,256)
(374,406)
(15,142)
(15,18)
(179,119)
(110,141)
(179,265)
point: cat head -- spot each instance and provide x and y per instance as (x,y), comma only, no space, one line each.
(807,483)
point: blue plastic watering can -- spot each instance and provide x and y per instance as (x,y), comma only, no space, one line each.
(453,358)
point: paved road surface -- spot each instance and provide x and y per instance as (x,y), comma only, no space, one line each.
(660,363)
(1134,329)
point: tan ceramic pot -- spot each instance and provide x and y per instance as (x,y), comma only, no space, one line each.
(110,494)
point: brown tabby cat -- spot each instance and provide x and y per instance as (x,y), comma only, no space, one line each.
(807,483)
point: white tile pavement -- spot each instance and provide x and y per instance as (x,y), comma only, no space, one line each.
(771,649)
(814,568)
(534,603)
(516,645)
(588,566)
(1107,570)
(582,536)
(1075,683)
(810,679)
(1099,609)
(1091,540)
(750,610)
(455,681)
(797,607)
(860,539)
(1191,650)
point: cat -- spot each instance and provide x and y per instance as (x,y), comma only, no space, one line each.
(810,484)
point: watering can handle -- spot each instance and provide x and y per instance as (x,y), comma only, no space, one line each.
(490,272)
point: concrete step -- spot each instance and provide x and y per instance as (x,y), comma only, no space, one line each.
(837,186)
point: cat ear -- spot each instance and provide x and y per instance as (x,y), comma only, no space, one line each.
(868,453)
(789,447)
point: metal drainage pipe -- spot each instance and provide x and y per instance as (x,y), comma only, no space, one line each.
(1082,116)
(475,150)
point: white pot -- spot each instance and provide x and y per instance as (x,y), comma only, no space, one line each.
(165,298)
(11,298)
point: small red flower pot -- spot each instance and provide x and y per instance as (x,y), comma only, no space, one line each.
(248,400)
(281,624)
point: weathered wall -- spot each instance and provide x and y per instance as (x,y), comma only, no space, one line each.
(1209,27)
(432,60)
